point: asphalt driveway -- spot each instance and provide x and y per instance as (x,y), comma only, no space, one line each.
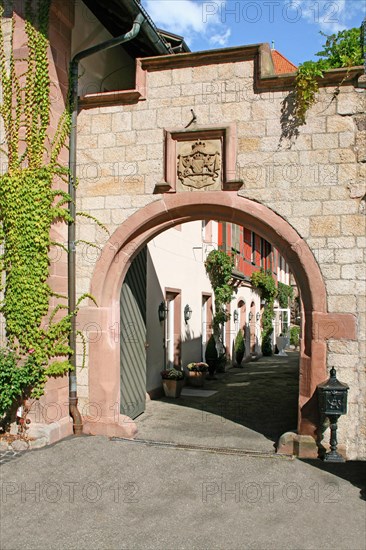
(92,492)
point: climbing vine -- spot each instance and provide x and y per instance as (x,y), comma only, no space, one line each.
(264,283)
(29,204)
(219,267)
(344,49)
(284,294)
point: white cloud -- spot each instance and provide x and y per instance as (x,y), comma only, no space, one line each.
(331,16)
(189,18)
(220,39)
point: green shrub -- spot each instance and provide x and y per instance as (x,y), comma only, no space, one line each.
(239,348)
(263,281)
(295,335)
(211,351)
(285,293)
(267,345)
(16,380)
(211,355)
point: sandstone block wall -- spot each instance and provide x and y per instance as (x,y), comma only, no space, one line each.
(315,181)
(60,25)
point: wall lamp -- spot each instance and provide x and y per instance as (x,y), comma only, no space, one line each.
(236,316)
(162,311)
(250,316)
(187,313)
(258,316)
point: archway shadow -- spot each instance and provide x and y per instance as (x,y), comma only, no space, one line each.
(289,122)
(353,471)
(262,396)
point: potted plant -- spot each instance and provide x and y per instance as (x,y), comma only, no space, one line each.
(173,382)
(282,342)
(295,336)
(239,348)
(211,355)
(197,373)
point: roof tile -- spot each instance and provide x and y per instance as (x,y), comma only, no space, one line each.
(281,64)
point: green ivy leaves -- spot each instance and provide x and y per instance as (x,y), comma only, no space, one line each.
(264,282)
(219,266)
(285,293)
(29,204)
(343,49)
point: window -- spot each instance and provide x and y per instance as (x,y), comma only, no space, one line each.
(270,256)
(252,247)
(262,252)
(170,334)
(235,238)
(173,328)
(235,244)
(223,244)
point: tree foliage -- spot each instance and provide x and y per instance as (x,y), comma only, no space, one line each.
(264,283)
(344,49)
(284,294)
(219,266)
(239,347)
(295,335)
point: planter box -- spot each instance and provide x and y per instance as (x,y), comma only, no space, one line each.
(172,388)
(196,379)
(282,342)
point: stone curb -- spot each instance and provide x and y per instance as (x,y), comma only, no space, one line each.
(40,434)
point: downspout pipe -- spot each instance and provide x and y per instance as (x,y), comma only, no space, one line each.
(74,76)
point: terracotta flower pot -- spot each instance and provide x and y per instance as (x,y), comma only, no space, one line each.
(282,342)
(196,378)
(172,388)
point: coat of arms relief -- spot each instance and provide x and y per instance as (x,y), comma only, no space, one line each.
(199,165)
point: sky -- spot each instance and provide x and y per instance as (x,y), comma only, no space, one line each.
(293,25)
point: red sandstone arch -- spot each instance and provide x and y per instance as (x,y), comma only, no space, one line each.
(174,209)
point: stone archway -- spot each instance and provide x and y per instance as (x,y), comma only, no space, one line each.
(174,209)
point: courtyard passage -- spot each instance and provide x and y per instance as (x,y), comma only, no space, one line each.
(246,408)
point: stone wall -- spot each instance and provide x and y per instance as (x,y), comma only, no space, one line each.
(53,406)
(315,181)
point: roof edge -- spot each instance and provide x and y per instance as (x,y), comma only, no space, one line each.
(204,57)
(265,76)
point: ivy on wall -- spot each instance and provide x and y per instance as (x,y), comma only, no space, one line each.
(284,294)
(29,204)
(344,49)
(264,283)
(219,267)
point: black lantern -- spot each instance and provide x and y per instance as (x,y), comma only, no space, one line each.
(250,316)
(162,312)
(258,316)
(236,316)
(187,313)
(333,403)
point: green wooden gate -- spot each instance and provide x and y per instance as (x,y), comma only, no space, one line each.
(133,338)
